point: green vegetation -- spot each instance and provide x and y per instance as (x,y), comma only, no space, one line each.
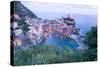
(46,54)
(91,41)
(91,38)
(41,54)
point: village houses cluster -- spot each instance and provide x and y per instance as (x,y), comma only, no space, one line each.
(39,28)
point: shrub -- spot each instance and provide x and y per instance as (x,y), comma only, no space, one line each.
(41,54)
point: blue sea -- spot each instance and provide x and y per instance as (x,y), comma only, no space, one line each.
(61,41)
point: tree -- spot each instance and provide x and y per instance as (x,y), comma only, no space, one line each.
(91,41)
(91,38)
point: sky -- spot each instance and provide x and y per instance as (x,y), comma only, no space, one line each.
(47,10)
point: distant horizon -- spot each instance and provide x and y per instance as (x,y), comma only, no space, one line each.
(50,10)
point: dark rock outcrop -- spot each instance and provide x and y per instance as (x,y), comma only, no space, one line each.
(21,10)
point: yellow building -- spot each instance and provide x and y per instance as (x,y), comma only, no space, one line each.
(17,42)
